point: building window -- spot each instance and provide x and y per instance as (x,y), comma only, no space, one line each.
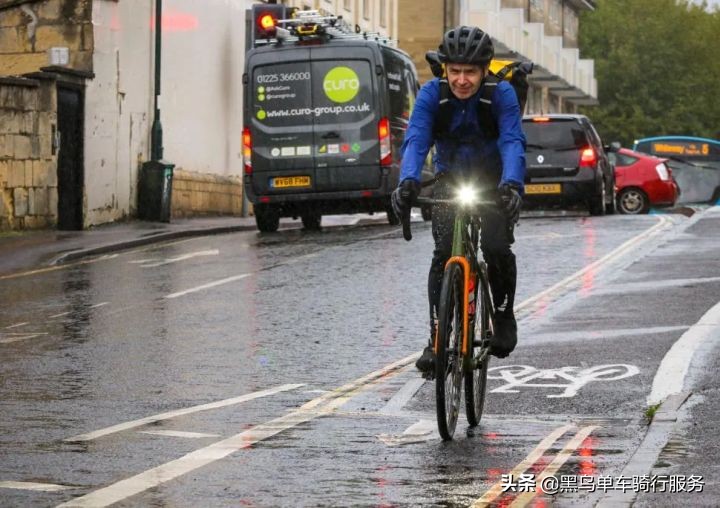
(366,9)
(383,13)
(346,4)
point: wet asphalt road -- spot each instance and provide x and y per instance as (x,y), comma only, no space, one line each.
(181,325)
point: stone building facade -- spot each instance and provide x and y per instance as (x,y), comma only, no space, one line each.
(99,54)
(28,176)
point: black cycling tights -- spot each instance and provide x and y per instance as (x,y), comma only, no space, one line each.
(495,241)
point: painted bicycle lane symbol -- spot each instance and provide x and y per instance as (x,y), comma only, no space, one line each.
(570,379)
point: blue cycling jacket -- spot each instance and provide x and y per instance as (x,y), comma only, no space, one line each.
(500,160)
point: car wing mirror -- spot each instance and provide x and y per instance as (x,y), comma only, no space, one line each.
(615,146)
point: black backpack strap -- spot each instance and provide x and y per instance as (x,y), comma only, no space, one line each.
(485,116)
(441,127)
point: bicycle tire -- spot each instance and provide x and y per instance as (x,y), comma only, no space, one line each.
(448,368)
(476,380)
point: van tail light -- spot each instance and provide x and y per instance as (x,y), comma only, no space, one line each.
(384,138)
(247,150)
(662,172)
(588,158)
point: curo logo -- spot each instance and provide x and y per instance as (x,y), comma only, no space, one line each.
(341,84)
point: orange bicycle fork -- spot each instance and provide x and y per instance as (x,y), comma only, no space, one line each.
(465,265)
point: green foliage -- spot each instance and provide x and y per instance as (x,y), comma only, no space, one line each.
(656,66)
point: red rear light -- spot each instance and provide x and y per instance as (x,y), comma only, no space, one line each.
(541,119)
(384,138)
(267,22)
(588,158)
(247,150)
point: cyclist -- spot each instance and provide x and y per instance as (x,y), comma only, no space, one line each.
(468,150)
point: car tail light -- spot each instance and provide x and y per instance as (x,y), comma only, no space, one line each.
(384,138)
(247,150)
(541,119)
(662,172)
(588,158)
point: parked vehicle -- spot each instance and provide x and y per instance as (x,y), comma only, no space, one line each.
(695,163)
(642,181)
(567,164)
(325,114)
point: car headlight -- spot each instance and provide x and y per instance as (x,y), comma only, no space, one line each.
(467,195)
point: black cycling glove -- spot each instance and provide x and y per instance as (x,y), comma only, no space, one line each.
(404,196)
(511,201)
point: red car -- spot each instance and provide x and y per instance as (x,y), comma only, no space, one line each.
(642,181)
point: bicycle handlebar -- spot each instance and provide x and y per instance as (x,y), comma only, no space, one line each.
(405,219)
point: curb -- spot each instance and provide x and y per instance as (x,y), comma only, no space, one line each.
(148,240)
(647,453)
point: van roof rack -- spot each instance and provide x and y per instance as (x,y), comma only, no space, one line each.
(319,26)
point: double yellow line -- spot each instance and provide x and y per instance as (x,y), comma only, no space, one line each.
(523,499)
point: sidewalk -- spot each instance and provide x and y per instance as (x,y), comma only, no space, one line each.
(25,250)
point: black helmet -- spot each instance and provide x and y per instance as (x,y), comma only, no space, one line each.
(466,45)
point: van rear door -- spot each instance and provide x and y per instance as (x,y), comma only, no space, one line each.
(345,105)
(280,110)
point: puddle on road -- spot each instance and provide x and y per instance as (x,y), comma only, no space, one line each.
(676,448)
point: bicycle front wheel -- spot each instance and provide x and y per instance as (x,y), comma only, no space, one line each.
(448,367)
(476,380)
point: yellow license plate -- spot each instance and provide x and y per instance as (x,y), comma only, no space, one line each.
(543,188)
(282,182)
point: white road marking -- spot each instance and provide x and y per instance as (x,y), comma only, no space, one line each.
(190,255)
(39,487)
(60,315)
(570,378)
(602,334)
(284,263)
(17,325)
(17,337)
(560,459)
(653,285)
(323,405)
(180,412)
(418,432)
(670,376)
(178,433)
(209,285)
(403,395)
(497,489)
(102,304)
(611,256)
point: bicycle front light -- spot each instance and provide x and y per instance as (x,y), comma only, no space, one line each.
(467,195)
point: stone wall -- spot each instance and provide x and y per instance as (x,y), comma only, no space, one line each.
(28,168)
(28,29)
(420,29)
(196,194)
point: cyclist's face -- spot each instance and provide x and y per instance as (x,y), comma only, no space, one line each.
(464,80)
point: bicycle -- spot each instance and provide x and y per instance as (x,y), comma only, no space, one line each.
(465,317)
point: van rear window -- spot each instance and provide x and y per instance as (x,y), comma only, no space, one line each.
(320,92)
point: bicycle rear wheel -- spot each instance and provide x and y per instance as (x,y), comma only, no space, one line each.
(476,380)
(448,368)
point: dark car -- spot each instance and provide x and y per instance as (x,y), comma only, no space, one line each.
(567,164)
(642,181)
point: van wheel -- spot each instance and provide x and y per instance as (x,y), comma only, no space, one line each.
(311,221)
(267,218)
(426,213)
